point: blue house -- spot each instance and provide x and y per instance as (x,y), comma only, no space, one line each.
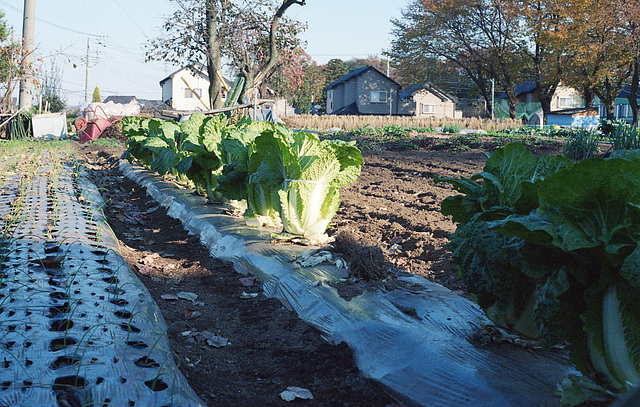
(579,117)
(529,109)
(621,108)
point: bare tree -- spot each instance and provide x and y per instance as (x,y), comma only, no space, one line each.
(201,32)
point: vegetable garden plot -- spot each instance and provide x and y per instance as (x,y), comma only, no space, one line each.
(425,360)
(76,326)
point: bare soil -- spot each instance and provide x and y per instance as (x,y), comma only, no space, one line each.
(394,206)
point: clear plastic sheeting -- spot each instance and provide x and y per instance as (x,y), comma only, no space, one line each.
(416,341)
(77,326)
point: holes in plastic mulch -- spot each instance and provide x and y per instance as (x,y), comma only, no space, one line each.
(61,343)
(57,295)
(130,328)
(156,384)
(146,361)
(119,301)
(67,390)
(68,382)
(59,309)
(61,325)
(115,290)
(123,314)
(65,361)
(137,344)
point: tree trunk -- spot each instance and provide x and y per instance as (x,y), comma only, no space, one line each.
(545,104)
(633,97)
(213,55)
(255,78)
(607,95)
(588,96)
(512,101)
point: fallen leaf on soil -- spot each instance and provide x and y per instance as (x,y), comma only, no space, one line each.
(247,281)
(149,259)
(168,267)
(152,209)
(169,297)
(312,258)
(191,314)
(294,392)
(146,269)
(214,340)
(249,295)
(188,296)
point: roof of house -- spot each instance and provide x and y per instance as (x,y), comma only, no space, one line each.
(349,110)
(625,93)
(576,111)
(194,69)
(413,89)
(121,99)
(151,103)
(519,89)
(198,70)
(353,74)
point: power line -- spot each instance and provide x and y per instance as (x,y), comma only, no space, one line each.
(132,19)
(50,23)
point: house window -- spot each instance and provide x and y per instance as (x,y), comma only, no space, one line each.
(565,102)
(378,96)
(428,109)
(188,94)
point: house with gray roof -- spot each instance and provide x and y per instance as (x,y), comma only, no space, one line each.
(424,100)
(364,91)
(122,100)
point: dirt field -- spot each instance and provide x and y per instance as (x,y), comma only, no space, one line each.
(260,348)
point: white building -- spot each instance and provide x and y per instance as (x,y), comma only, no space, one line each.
(178,89)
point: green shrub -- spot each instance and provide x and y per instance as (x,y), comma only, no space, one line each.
(393,130)
(451,128)
(622,135)
(364,131)
(422,129)
(581,144)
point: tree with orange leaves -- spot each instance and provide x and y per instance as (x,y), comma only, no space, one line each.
(470,34)
(601,40)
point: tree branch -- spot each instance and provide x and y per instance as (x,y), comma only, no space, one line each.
(274,55)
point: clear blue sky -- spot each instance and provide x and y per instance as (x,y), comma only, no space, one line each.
(118,29)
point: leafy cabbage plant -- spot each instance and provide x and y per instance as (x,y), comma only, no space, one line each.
(275,177)
(551,248)
(300,176)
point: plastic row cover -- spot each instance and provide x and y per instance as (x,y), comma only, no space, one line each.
(77,328)
(425,360)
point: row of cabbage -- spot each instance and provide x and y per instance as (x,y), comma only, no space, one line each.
(266,172)
(551,248)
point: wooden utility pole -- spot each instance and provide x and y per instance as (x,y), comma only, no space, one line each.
(28,35)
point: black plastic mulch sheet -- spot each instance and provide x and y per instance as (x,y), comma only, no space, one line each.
(77,328)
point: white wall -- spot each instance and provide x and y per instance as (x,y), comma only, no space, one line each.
(174,88)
